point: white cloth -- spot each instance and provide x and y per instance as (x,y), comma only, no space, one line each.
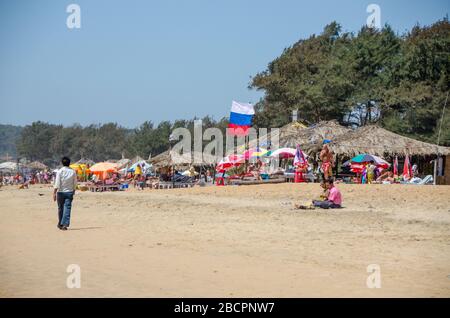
(242,108)
(66,180)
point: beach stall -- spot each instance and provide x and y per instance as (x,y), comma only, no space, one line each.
(145,166)
(8,167)
(375,140)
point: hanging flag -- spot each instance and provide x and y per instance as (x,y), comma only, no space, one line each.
(241,117)
(299,159)
(396,166)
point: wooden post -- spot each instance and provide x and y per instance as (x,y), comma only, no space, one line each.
(336,165)
(434,171)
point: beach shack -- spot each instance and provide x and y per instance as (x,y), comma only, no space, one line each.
(375,140)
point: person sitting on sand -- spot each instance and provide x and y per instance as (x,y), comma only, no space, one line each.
(333,200)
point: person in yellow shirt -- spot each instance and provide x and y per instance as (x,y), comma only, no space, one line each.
(137,171)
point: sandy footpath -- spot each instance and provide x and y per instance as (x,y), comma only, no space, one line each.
(227,242)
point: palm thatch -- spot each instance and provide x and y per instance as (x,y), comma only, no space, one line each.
(137,159)
(122,163)
(171,158)
(379,141)
(309,138)
(84,161)
(36,165)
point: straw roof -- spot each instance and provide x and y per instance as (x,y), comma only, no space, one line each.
(37,165)
(122,163)
(168,158)
(84,161)
(309,138)
(379,141)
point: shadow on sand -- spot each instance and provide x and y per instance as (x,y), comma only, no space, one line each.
(84,228)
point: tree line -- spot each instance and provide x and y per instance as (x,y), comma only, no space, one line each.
(48,142)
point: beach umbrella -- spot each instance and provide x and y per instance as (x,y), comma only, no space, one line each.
(230,162)
(37,165)
(144,165)
(365,158)
(85,161)
(407,170)
(255,153)
(190,172)
(396,166)
(102,168)
(299,158)
(357,167)
(80,168)
(284,153)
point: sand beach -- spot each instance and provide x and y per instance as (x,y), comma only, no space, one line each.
(245,241)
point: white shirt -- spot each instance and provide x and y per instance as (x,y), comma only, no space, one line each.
(66,180)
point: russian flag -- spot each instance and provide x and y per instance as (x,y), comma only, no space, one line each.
(241,116)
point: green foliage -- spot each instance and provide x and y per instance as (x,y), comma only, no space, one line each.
(8,137)
(48,143)
(400,81)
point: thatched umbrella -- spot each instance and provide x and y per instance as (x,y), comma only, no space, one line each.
(309,138)
(84,161)
(37,165)
(123,163)
(168,159)
(379,141)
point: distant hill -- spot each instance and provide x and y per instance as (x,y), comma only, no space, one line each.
(8,137)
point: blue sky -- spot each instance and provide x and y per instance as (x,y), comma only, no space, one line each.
(133,61)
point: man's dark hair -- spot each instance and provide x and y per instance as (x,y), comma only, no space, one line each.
(330,180)
(65,161)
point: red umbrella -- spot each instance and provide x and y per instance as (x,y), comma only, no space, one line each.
(407,169)
(396,166)
(230,162)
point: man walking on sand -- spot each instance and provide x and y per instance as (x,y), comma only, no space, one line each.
(63,192)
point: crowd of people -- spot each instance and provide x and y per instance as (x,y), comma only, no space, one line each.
(25,179)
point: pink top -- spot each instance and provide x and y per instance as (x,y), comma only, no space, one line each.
(335,196)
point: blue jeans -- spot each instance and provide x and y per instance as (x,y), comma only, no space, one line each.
(326,205)
(64,200)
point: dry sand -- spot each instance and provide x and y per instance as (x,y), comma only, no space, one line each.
(227,242)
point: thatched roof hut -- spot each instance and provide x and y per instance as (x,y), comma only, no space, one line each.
(309,138)
(122,163)
(379,141)
(84,161)
(168,158)
(8,166)
(36,165)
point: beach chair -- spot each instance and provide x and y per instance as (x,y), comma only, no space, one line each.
(427,180)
